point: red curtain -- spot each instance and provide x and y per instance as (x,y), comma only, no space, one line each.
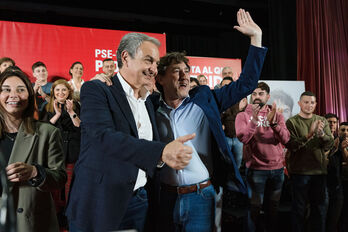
(322,53)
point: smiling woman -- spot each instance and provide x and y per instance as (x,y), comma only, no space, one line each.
(64,113)
(33,153)
(76,81)
(14,97)
(17,100)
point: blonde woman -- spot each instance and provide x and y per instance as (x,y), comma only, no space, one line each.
(64,113)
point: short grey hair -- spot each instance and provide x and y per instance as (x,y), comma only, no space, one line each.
(131,42)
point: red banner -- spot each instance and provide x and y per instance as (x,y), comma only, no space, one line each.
(60,46)
(212,67)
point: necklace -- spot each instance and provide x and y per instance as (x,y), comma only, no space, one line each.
(12,138)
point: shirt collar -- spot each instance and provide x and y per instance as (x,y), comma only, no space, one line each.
(165,105)
(144,93)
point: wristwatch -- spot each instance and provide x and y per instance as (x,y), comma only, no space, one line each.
(320,133)
(160,164)
(273,125)
(74,116)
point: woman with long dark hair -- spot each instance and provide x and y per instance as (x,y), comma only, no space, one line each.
(33,152)
(76,81)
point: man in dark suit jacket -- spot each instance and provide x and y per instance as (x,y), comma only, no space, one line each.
(187,197)
(117,151)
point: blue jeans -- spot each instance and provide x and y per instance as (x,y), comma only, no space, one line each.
(236,147)
(308,189)
(265,190)
(193,212)
(135,215)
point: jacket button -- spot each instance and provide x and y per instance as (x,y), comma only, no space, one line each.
(20,210)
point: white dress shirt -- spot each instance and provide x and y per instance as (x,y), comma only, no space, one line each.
(142,121)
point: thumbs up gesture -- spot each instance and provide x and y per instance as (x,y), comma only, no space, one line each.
(177,155)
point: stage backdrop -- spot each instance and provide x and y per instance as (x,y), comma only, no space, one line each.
(60,46)
(212,67)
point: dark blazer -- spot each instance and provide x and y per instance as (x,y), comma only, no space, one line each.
(111,154)
(214,102)
(35,209)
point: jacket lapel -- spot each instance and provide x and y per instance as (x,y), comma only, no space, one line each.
(120,96)
(23,145)
(151,112)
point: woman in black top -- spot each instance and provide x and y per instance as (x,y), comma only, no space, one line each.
(64,113)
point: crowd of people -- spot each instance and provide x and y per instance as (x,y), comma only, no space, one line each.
(151,149)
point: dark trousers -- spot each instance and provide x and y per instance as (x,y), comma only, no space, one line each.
(135,215)
(336,198)
(343,224)
(308,189)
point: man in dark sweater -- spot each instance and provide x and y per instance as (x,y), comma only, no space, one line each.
(310,139)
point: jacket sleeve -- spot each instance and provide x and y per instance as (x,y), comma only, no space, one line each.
(281,131)
(55,167)
(247,82)
(327,140)
(245,128)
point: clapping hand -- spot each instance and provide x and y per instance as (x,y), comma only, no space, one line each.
(320,129)
(256,109)
(313,128)
(56,107)
(272,115)
(69,106)
(317,128)
(344,143)
(37,86)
